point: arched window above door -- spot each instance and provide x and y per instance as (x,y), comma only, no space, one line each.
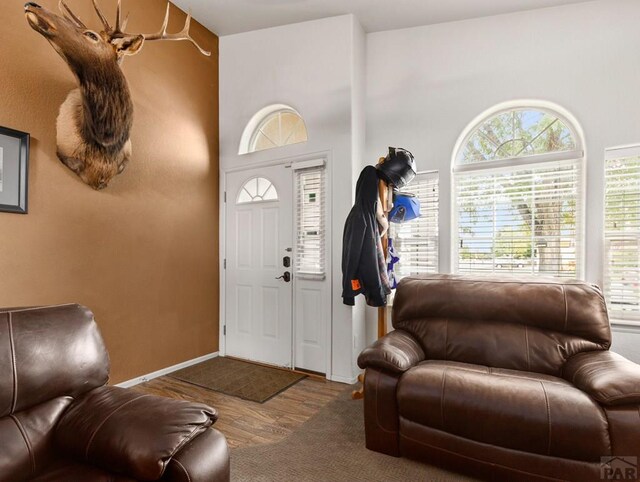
(274,126)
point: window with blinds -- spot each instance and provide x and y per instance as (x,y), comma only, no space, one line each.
(416,242)
(520,220)
(310,223)
(622,232)
(518,196)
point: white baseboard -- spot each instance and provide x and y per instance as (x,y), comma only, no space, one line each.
(341,379)
(165,371)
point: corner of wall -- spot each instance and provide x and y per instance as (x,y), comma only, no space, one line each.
(358,160)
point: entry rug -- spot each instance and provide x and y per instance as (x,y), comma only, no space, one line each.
(241,379)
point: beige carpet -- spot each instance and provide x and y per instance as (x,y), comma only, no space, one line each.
(329,447)
(253,382)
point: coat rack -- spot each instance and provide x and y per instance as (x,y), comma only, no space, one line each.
(386,200)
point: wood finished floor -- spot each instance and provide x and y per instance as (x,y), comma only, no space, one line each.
(246,423)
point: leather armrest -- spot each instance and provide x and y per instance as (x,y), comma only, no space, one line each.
(203,459)
(395,352)
(130,433)
(606,376)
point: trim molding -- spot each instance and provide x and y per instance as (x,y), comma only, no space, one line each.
(165,371)
(276,161)
(341,379)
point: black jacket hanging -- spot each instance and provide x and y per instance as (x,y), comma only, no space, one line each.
(363,264)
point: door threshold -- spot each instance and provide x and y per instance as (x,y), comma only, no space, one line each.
(309,373)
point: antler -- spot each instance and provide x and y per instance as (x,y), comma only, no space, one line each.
(103,19)
(66,11)
(118,30)
(182,35)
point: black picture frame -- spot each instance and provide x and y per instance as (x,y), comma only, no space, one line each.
(22,174)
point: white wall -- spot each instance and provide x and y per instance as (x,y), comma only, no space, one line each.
(424,85)
(309,66)
(358,130)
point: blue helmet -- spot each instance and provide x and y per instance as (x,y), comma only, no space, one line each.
(406,207)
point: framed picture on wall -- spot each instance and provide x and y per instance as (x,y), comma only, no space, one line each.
(14,169)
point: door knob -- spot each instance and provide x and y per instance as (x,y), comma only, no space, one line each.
(285,276)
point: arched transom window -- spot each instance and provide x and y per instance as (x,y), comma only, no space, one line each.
(517,133)
(274,126)
(257,189)
(518,194)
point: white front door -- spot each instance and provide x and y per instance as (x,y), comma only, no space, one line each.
(259,236)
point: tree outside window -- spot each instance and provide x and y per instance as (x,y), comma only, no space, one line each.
(518,184)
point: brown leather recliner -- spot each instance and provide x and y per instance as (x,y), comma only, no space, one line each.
(506,379)
(59,421)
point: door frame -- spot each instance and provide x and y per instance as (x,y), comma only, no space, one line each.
(222,213)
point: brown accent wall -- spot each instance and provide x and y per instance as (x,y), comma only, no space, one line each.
(143,254)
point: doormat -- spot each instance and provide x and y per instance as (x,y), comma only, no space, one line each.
(237,378)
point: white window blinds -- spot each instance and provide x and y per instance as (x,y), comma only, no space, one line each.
(416,242)
(310,223)
(520,219)
(622,232)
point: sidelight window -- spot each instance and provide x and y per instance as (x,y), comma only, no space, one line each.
(310,222)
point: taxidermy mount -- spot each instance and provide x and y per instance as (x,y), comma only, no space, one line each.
(94,122)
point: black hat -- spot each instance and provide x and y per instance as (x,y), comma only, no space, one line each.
(398,168)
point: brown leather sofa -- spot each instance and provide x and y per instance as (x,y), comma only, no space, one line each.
(505,379)
(59,421)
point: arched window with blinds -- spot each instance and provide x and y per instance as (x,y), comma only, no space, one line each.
(518,189)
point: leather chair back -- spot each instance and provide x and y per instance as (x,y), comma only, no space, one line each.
(528,324)
(48,355)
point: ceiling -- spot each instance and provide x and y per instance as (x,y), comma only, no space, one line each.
(226,17)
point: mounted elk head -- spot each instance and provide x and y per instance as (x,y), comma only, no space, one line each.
(95,120)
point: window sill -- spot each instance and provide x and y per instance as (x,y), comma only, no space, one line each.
(625,324)
(310,276)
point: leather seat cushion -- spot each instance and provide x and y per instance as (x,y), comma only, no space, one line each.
(507,408)
(67,470)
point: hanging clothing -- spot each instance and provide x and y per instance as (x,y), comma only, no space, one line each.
(392,259)
(383,222)
(363,261)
